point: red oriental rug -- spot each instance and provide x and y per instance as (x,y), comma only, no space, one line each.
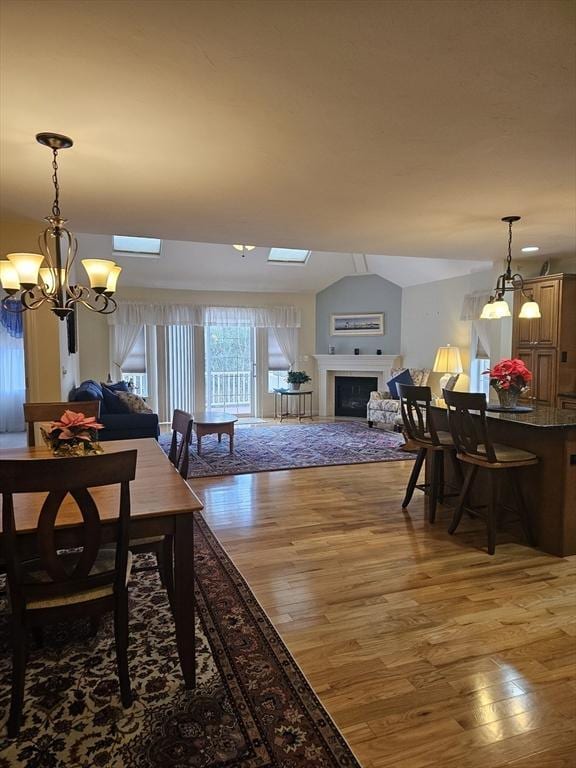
(252,706)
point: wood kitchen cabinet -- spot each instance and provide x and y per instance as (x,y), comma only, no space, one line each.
(547,345)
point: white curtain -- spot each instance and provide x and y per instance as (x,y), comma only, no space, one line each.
(136,314)
(122,339)
(287,339)
(12,382)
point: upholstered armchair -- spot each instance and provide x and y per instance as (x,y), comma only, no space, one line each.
(383,409)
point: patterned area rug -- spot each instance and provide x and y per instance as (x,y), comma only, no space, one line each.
(263,449)
(252,706)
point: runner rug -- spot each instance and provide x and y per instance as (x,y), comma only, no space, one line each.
(263,449)
(252,706)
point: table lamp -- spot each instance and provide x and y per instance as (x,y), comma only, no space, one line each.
(448,362)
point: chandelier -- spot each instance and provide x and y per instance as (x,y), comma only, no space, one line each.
(496,307)
(44,278)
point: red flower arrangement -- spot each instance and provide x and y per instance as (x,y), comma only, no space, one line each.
(73,435)
(509,375)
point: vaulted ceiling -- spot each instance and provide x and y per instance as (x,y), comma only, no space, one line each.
(404,129)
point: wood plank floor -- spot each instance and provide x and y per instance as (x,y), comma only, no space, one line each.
(425,650)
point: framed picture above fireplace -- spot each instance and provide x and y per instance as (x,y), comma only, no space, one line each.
(357,324)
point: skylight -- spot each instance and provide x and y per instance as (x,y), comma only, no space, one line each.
(288,255)
(147,246)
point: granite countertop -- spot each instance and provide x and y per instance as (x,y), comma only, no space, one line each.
(567,394)
(541,416)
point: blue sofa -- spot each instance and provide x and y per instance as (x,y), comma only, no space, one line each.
(118,423)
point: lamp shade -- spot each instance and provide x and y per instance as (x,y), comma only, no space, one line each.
(9,277)
(48,275)
(98,271)
(500,309)
(488,311)
(448,360)
(113,279)
(529,310)
(27,266)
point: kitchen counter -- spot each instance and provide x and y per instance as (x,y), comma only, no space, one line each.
(549,488)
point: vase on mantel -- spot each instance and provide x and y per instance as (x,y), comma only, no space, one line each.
(508,398)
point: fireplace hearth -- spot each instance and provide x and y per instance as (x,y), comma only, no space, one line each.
(351,394)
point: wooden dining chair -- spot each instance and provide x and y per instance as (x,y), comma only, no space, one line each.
(163,546)
(35,413)
(59,584)
(471,435)
(421,433)
(181,433)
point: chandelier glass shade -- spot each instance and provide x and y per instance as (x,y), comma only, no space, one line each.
(46,277)
(497,307)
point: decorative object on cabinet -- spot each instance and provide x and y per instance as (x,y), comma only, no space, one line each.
(547,344)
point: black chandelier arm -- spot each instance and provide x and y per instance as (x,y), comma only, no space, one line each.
(91,301)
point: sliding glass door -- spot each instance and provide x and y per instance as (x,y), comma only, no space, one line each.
(229,369)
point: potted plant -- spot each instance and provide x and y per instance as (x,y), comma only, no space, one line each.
(295,378)
(509,378)
(73,435)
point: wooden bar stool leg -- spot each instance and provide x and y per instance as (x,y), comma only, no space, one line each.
(471,473)
(441,477)
(437,460)
(414,477)
(492,519)
(522,508)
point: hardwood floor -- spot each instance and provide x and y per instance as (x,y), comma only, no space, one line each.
(425,650)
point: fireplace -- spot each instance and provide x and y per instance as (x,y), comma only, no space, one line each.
(351,394)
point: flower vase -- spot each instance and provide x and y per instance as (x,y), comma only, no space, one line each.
(508,398)
(296,386)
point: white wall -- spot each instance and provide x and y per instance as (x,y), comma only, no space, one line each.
(94,337)
(431,318)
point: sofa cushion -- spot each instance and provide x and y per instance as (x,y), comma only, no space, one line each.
(403,377)
(112,402)
(127,426)
(134,403)
(118,386)
(88,390)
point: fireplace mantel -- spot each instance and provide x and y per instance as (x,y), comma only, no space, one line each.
(350,365)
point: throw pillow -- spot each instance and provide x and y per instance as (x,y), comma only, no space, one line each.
(88,390)
(403,377)
(119,386)
(112,401)
(134,402)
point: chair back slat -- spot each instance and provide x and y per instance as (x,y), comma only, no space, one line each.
(415,407)
(61,574)
(469,424)
(38,412)
(179,453)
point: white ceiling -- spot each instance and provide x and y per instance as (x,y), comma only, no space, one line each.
(210,267)
(405,128)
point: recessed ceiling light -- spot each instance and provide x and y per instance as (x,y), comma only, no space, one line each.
(530,249)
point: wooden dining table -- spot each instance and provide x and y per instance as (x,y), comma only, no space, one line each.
(162,503)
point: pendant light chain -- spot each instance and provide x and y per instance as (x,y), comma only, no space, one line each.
(56,203)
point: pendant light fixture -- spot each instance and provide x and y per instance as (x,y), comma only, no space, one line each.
(244,248)
(24,273)
(496,307)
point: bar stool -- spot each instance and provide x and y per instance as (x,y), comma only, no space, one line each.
(476,449)
(421,432)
